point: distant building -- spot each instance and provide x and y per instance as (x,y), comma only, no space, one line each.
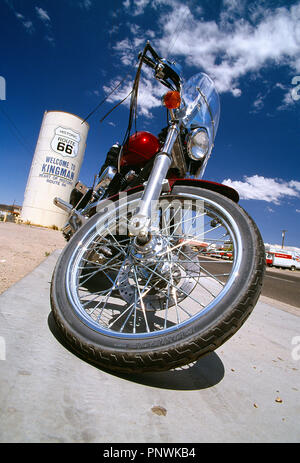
(9,212)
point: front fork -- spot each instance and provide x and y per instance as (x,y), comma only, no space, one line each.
(140,222)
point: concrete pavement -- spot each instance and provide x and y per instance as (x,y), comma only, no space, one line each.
(246,391)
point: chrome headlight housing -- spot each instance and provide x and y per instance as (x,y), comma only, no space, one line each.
(198,144)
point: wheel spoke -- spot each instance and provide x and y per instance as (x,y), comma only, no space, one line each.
(121,291)
(141,300)
(163,278)
(203,269)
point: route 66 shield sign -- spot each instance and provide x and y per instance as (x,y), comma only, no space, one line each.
(65,142)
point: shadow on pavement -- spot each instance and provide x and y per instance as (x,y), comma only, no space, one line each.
(202,374)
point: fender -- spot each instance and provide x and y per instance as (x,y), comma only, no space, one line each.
(220,188)
(207,185)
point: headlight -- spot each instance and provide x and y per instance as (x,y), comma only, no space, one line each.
(198,144)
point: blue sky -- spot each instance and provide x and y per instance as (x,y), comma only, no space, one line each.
(66,55)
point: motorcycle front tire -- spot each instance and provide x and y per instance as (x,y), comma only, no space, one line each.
(168,348)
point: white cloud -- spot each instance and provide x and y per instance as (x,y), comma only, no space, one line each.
(127,50)
(137,7)
(149,96)
(43,15)
(265,189)
(26,22)
(280,85)
(258,103)
(286,99)
(245,39)
(46,20)
(230,49)
(50,39)
(295,184)
(86,4)
(134,28)
(236,92)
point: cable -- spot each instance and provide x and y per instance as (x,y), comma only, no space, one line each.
(133,100)
(104,99)
(18,134)
(176,33)
(118,104)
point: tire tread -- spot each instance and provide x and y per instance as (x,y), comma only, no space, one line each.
(182,352)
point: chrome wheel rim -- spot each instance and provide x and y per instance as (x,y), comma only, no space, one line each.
(117,292)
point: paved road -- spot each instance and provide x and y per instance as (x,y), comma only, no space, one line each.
(281,285)
(245,391)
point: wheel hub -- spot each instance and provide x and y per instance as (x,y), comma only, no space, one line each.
(157,276)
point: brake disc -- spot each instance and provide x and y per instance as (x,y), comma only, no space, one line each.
(161,283)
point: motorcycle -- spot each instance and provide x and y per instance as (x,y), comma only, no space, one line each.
(140,285)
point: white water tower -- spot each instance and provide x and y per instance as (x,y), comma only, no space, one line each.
(55,167)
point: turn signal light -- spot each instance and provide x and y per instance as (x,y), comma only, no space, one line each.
(171,100)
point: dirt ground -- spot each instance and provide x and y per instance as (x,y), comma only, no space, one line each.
(22,248)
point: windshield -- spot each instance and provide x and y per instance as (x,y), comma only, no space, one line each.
(202,104)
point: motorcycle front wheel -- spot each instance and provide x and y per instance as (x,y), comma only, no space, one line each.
(132,307)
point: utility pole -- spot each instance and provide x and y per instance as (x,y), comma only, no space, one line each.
(283,236)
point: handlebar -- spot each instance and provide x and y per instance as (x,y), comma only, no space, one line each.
(163,72)
(148,61)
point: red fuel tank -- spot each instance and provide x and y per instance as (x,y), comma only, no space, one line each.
(141,147)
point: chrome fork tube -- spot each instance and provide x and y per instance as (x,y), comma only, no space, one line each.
(140,222)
